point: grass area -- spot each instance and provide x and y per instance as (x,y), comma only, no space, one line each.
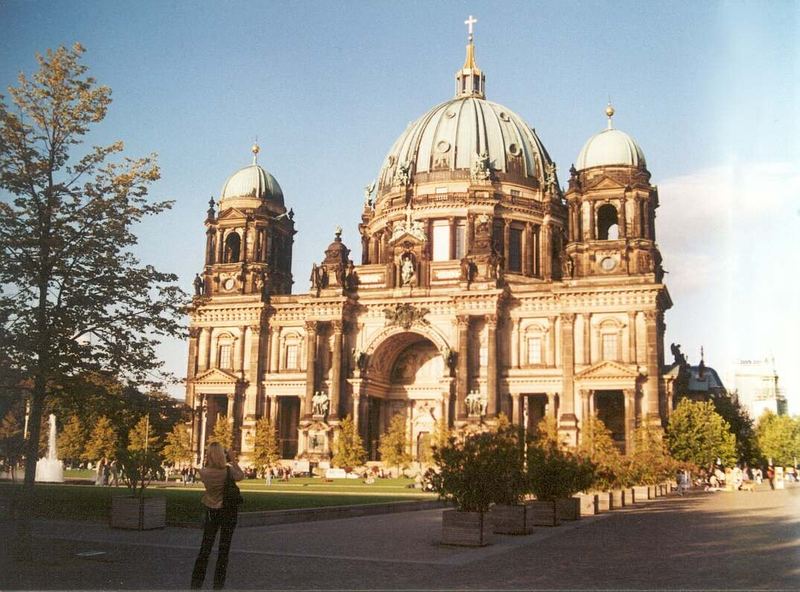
(87,502)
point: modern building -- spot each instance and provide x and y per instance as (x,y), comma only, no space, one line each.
(757,387)
(482,288)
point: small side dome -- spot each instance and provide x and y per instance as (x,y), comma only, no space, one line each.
(611,147)
(252,182)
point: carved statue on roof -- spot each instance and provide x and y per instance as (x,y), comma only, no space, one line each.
(481,168)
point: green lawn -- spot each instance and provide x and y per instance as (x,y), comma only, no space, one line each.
(87,502)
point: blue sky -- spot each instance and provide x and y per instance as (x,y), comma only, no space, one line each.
(710,91)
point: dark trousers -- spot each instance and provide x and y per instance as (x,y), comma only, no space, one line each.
(215,520)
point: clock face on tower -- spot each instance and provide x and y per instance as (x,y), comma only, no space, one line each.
(229,284)
(608,263)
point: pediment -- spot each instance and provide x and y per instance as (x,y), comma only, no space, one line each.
(605,182)
(231,213)
(607,370)
(216,376)
(403,237)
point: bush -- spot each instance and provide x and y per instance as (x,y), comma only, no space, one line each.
(650,463)
(556,474)
(486,468)
(598,446)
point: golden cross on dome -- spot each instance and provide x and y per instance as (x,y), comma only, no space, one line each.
(469,22)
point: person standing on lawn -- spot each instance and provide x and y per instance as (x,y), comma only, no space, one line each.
(220,466)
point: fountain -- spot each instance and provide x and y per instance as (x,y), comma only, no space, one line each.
(50,469)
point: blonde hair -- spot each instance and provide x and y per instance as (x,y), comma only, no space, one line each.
(215,457)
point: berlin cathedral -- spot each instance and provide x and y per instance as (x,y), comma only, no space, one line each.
(483,288)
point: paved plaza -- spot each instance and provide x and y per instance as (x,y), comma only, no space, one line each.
(742,540)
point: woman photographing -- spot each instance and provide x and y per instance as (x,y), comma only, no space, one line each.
(220,512)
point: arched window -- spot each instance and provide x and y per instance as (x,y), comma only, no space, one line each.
(607,221)
(232,246)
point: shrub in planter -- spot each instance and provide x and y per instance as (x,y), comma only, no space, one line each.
(555,474)
(135,511)
(598,446)
(509,513)
(650,462)
(470,474)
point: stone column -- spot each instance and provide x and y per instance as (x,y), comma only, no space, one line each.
(515,412)
(592,221)
(527,260)
(491,364)
(203,345)
(551,347)
(364,249)
(551,405)
(463,367)
(651,360)
(356,409)
(311,365)
(240,353)
(236,445)
(515,363)
(336,370)
(194,334)
(506,242)
(622,221)
(470,233)
(587,338)
(568,421)
(197,426)
(275,349)
(203,428)
(586,410)
(451,225)
(544,249)
(632,338)
(630,417)
(637,227)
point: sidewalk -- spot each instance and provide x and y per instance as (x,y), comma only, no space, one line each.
(735,540)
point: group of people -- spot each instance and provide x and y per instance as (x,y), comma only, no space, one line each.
(107,473)
(736,478)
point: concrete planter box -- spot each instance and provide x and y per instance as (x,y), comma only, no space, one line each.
(511,519)
(651,492)
(467,529)
(588,504)
(135,513)
(542,513)
(617,499)
(640,493)
(603,501)
(568,508)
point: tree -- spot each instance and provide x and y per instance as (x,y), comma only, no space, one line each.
(266,453)
(697,434)
(102,441)
(178,447)
(394,444)
(222,433)
(779,438)
(74,298)
(72,441)
(598,446)
(650,461)
(742,427)
(141,437)
(441,434)
(349,451)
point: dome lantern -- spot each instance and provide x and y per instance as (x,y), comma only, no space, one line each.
(610,147)
(470,81)
(252,183)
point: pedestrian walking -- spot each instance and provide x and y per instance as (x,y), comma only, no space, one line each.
(221,500)
(771,476)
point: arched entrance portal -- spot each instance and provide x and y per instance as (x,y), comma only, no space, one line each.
(408,375)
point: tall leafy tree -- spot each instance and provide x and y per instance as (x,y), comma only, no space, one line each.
(394,444)
(178,447)
(142,438)
(222,433)
(349,450)
(72,440)
(742,427)
(779,438)
(697,434)
(74,298)
(598,446)
(102,442)
(266,453)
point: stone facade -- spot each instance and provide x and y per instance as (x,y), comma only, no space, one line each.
(483,288)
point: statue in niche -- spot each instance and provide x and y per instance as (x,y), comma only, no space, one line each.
(476,404)
(467,270)
(407,271)
(568,267)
